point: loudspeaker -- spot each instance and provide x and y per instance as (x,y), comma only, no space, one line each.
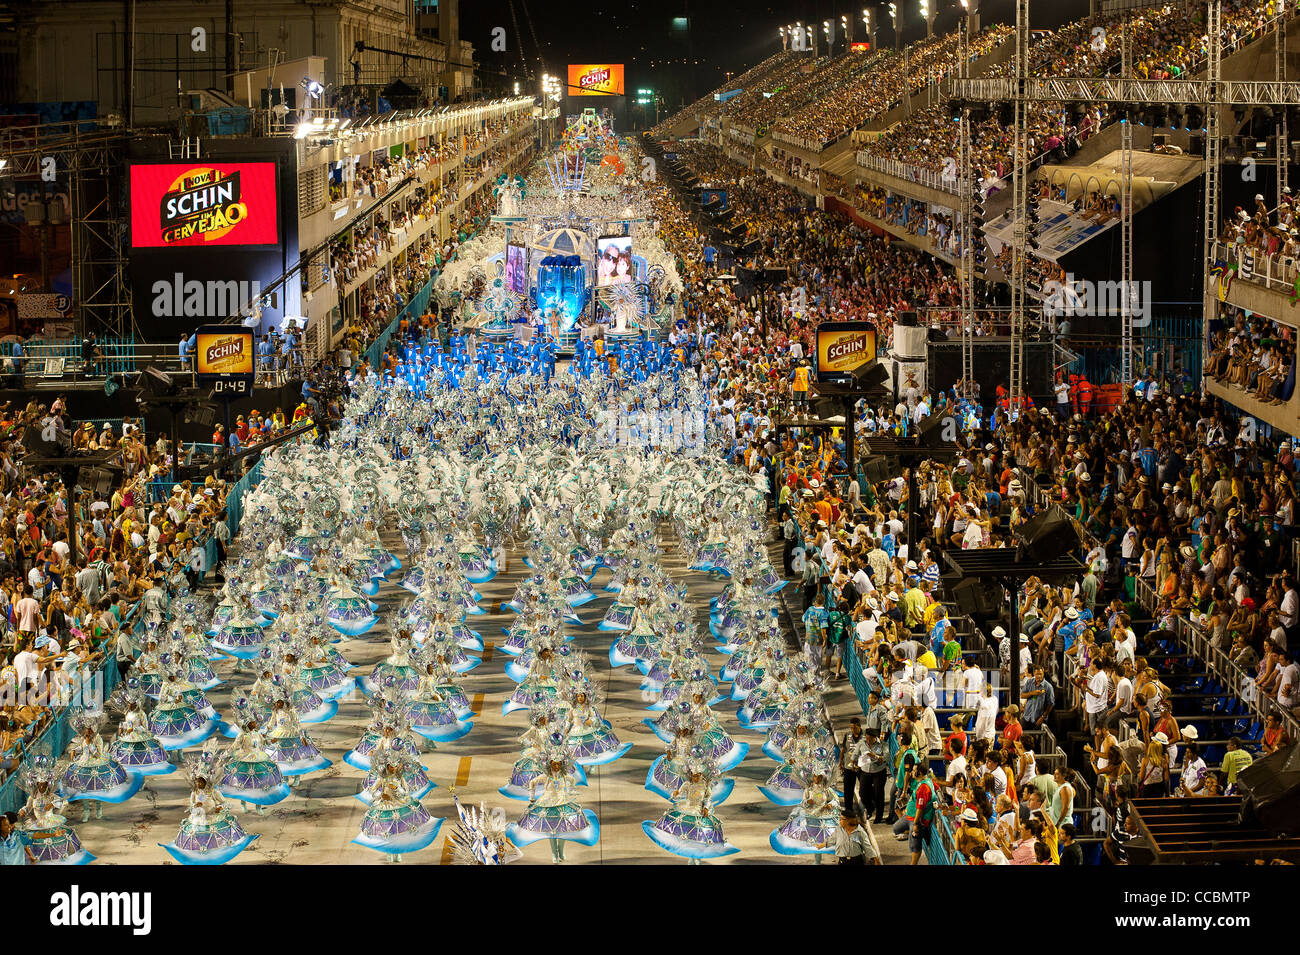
(978,598)
(875,376)
(1048,535)
(156,382)
(1271,787)
(930,429)
(878,469)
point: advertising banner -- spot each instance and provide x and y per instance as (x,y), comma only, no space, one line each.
(223,358)
(201,203)
(844,347)
(595,79)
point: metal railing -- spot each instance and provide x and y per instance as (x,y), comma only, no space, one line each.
(1235,678)
(909,172)
(1276,271)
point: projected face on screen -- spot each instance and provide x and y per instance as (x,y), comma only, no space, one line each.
(516,277)
(614,260)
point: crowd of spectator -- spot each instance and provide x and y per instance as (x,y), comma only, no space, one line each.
(856,98)
(66,610)
(1256,355)
(1186,516)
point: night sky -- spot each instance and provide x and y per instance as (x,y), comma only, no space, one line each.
(724,35)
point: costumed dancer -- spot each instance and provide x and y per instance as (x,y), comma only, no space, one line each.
(209,834)
(395,823)
(40,825)
(251,775)
(135,747)
(812,824)
(690,829)
(554,814)
(93,774)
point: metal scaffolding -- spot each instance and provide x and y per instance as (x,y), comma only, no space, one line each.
(94,161)
(966,187)
(1020,207)
(1213,93)
(1126,225)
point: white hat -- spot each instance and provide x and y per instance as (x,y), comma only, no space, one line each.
(1259,197)
(1161,738)
(1191,732)
(1071,613)
(995,857)
(1024,638)
(999,632)
(873,603)
(970,815)
(911,565)
(814,483)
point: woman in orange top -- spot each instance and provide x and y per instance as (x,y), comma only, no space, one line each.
(823,509)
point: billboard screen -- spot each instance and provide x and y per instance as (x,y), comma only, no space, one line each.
(516,271)
(223,358)
(844,347)
(614,260)
(175,205)
(223,350)
(595,79)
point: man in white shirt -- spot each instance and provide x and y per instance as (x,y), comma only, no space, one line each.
(1128,546)
(956,765)
(865,629)
(1096,694)
(923,691)
(862,582)
(1288,685)
(1125,641)
(1123,707)
(36,577)
(1289,612)
(972,681)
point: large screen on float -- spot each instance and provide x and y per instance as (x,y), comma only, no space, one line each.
(614,260)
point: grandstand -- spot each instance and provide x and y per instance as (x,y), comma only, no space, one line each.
(1108,189)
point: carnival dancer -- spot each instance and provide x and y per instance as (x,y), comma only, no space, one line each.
(209,834)
(812,823)
(690,829)
(554,814)
(396,823)
(251,775)
(41,826)
(591,740)
(667,773)
(93,774)
(134,746)
(174,720)
(803,758)
(435,707)
(288,744)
